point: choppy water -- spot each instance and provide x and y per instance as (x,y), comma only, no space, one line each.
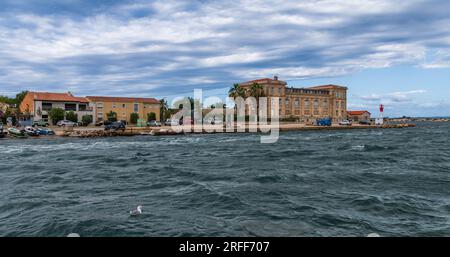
(320,183)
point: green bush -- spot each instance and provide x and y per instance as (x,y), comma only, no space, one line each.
(151,116)
(86,119)
(112,116)
(134,118)
(56,114)
(72,116)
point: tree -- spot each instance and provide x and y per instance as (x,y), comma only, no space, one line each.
(7,100)
(236,91)
(256,91)
(164,107)
(151,116)
(134,118)
(20,96)
(56,114)
(112,116)
(72,116)
(86,119)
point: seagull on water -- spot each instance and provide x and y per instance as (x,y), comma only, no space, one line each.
(137,211)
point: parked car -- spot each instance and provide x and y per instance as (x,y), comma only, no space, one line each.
(66,123)
(40,123)
(325,122)
(345,123)
(115,126)
(364,122)
(154,123)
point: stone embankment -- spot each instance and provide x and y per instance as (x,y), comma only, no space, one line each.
(86,133)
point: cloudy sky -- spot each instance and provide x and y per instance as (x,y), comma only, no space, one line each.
(391,52)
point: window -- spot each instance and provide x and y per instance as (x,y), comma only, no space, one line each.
(325,103)
(70,107)
(124,106)
(316,104)
(296,103)
(100,106)
(114,105)
(47,106)
(273,90)
(136,107)
(279,91)
(100,115)
(287,102)
(82,107)
(306,103)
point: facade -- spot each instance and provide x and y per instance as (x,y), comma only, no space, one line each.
(359,115)
(123,107)
(38,104)
(304,104)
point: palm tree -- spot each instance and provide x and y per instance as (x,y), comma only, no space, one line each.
(256,90)
(237,91)
(163,109)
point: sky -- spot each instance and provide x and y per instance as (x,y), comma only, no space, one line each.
(391,52)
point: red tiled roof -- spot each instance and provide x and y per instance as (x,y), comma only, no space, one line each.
(267,80)
(356,113)
(122,99)
(56,97)
(327,87)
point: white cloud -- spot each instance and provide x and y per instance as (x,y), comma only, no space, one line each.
(215,42)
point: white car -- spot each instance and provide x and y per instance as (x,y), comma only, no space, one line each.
(64,123)
(345,123)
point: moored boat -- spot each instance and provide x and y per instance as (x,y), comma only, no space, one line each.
(31,131)
(45,131)
(17,133)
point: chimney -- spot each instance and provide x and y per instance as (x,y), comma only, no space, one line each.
(275,77)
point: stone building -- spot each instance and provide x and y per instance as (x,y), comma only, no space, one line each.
(357,116)
(304,104)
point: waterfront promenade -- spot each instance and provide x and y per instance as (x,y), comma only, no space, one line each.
(205,129)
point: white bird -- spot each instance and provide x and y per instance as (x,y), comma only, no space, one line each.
(137,211)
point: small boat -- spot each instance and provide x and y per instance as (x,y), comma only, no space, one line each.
(17,133)
(31,131)
(45,131)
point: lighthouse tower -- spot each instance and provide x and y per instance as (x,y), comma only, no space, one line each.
(380,121)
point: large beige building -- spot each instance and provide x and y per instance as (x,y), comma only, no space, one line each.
(123,107)
(304,104)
